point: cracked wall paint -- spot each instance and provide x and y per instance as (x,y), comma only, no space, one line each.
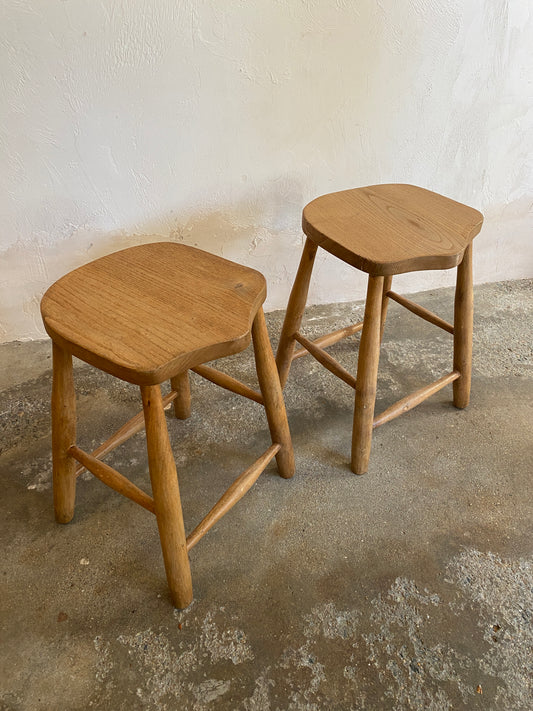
(215,123)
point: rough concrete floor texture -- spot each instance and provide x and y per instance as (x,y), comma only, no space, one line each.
(408,588)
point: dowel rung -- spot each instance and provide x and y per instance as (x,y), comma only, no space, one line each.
(407,403)
(115,480)
(236,491)
(329,339)
(227,382)
(136,424)
(326,360)
(418,310)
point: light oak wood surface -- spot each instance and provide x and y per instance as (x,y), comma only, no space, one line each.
(367,376)
(391,229)
(232,495)
(419,311)
(63,435)
(227,382)
(387,285)
(413,399)
(128,429)
(167,502)
(272,394)
(326,360)
(110,477)
(147,313)
(463,331)
(385,230)
(295,311)
(329,339)
(182,404)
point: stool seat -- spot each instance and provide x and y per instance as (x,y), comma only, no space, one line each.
(392,229)
(146,313)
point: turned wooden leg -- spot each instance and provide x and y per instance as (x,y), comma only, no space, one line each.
(269,384)
(63,435)
(166,495)
(295,311)
(462,330)
(367,375)
(387,285)
(182,404)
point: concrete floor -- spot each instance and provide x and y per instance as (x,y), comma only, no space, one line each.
(408,588)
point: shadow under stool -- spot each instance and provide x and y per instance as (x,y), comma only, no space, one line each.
(385,230)
(148,314)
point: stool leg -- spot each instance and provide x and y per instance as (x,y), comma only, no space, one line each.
(272,396)
(182,404)
(295,311)
(167,501)
(367,375)
(63,435)
(462,330)
(387,284)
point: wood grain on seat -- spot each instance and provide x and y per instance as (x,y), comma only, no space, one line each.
(391,229)
(146,313)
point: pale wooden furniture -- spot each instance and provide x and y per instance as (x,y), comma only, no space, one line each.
(149,314)
(385,230)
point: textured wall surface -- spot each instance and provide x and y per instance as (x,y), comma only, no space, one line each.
(214,123)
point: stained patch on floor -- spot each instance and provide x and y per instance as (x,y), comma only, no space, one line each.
(388,657)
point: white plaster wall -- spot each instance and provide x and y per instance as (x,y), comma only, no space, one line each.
(214,122)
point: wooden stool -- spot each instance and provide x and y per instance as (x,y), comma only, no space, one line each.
(385,230)
(149,314)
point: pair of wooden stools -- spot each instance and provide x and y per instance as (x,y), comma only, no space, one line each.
(151,313)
